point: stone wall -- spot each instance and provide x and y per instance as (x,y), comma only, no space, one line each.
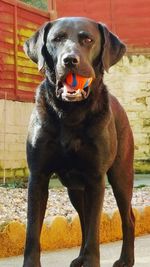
(14,118)
(129,81)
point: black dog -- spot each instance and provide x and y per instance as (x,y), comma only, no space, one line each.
(80,135)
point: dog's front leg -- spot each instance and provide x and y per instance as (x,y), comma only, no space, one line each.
(37,199)
(94,195)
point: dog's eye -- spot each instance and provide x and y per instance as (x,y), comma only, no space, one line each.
(88,40)
(59,38)
(85,38)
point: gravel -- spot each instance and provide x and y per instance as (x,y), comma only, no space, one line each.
(13,203)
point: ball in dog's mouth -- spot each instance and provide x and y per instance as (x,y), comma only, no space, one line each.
(74,87)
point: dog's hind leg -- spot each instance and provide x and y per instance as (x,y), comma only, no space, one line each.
(90,219)
(121,180)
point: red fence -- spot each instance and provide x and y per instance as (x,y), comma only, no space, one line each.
(18,75)
(129,19)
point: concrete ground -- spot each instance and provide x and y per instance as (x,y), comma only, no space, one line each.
(109,253)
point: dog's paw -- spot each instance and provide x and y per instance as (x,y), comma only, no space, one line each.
(122,263)
(85,262)
(31,263)
(78,262)
(91,264)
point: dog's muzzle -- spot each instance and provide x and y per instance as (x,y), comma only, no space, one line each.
(68,93)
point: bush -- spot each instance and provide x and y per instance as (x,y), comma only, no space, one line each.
(42,4)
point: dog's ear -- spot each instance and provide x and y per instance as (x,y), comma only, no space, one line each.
(33,46)
(112,48)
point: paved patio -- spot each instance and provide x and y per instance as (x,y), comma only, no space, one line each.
(109,253)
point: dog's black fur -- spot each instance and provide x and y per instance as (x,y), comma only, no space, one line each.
(80,136)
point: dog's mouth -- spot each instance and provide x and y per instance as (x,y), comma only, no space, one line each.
(69,93)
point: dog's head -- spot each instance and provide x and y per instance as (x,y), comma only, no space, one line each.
(73,45)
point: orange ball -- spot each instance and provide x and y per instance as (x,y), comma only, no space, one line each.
(77,81)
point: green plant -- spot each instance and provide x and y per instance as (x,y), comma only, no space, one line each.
(14,184)
(141,186)
(42,4)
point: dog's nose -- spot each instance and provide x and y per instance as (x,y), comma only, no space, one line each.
(71,60)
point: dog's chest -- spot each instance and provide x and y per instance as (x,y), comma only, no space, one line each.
(71,140)
(80,146)
(86,147)
(76,149)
